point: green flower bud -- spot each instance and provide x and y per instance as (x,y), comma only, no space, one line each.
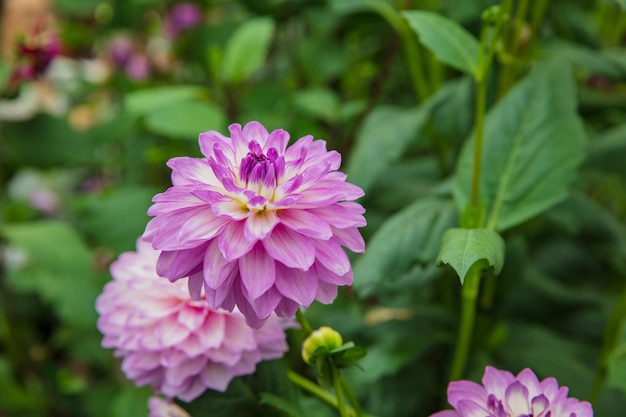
(324,337)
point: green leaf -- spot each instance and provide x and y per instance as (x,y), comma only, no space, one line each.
(411,236)
(318,102)
(143,102)
(280,404)
(383,137)
(462,248)
(186,120)
(621,3)
(117,218)
(58,267)
(533,144)
(617,362)
(247,48)
(608,151)
(449,41)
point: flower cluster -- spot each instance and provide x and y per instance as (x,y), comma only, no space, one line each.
(178,346)
(504,395)
(34,54)
(258,224)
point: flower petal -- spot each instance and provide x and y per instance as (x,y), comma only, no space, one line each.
(232,242)
(258,272)
(179,264)
(300,286)
(216,268)
(332,256)
(290,248)
(306,223)
(260,224)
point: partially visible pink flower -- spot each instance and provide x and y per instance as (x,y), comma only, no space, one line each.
(160,407)
(178,346)
(260,225)
(120,51)
(137,67)
(181,17)
(504,395)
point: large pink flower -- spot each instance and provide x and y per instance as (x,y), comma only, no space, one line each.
(178,346)
(505,395)
(260,224)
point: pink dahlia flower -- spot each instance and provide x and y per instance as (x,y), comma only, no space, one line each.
(163,408)
(260,225)
(178,346)
(504,395)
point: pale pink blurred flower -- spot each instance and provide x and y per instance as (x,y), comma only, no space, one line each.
(178,346)
(260,225)
(160,407)
(137,67)
(120,51)
(504,395)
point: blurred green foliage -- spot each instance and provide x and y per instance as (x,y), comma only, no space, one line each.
(553,176)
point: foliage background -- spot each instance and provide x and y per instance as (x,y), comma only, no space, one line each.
(345,71)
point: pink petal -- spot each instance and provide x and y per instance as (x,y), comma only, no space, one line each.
(278,140)
(194,284)
(326,293)
(201,226)
(178,375)
(231,209)
(290,248)
(238,335)
(192,317)
(257,271)
(516,396)
(266,303)
(342,215)
(332,256)
(216,268)
(287,308)
(330,277)
(173,357)
(260,224)
(210,139)
(170,332)
(530,381)
(306,223)
(495,381)
(232,242)
(191,171)
(255,131)
(466,390)
(350,238)
(468,408)
(181,263)
(297,285)
(211,333)
(216,376)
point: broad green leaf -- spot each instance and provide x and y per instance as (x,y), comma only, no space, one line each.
(58,267)
(607,152)
(186,120)
(617,362)
(407,239)
(449,41)
(384,135)
(247,48)
(533,144)
(117,218)
(621,3)
(462,248)
(608,63)
(318,102)
(143,102)
(280,404)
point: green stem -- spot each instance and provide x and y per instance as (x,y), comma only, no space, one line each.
(410,44)
(304,323)
(466,328)
(611,337)
(351,397)
(539,9)
(341,401)
(312,388)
